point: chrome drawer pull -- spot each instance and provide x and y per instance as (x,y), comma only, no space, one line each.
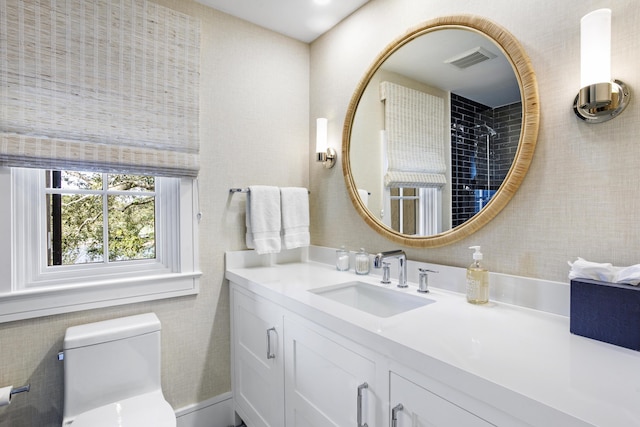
(360,388)
(394,414)
(269,354)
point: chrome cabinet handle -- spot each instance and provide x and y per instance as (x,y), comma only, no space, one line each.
(360,388)
(394,414)
(269,354)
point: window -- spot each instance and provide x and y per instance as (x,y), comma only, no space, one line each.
(415,211)
(84,240)
(99,218)
(71,103)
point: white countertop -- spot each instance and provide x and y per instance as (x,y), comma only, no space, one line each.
(529,352)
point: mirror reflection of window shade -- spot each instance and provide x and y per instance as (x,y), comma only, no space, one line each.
(415,137)
(104,85)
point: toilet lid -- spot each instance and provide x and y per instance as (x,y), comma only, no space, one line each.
(146,410)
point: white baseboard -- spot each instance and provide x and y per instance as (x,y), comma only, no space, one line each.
(214,412)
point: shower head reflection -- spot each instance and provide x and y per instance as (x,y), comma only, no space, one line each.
(486,129)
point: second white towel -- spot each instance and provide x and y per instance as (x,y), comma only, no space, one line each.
(295,217)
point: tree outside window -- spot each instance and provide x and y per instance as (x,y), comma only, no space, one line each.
(99,217)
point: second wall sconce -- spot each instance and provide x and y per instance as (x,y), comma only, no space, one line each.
(600,98)
(324,153)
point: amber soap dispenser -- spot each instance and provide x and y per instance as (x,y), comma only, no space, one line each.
(477,280)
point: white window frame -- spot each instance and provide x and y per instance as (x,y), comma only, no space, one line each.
(33,289)
(428,209)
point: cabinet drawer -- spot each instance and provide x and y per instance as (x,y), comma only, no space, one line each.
(324,379)
(417,406)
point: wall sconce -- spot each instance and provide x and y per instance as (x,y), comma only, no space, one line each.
(600,99)
(324,153)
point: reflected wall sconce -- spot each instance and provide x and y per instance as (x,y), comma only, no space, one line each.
(324,153)
(600,98)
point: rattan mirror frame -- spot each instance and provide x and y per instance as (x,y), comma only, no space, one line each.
(526,77)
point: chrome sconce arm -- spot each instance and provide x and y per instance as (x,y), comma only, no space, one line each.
(600,102)
(328,158)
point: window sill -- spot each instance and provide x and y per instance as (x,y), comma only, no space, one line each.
(37,302)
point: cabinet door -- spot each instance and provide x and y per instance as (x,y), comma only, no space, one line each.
(415,406)
(328,381)
(257,360)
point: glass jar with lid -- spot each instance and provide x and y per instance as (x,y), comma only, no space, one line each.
(362,262)
(342,259)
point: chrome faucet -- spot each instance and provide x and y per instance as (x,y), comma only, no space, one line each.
(402,264)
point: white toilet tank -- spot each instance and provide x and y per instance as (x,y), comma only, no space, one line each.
(112,361)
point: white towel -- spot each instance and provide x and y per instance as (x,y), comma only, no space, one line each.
(248,237)
(263,219)
(295,217)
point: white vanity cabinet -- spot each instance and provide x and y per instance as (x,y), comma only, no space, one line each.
(448,364)
(257,359)
(291,371)
(414,406)
(328,382)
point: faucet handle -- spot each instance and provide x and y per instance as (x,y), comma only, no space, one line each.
(423,282)
(386,273)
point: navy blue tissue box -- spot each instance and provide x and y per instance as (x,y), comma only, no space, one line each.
(608,312)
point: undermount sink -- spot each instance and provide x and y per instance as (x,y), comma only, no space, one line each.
(376,300)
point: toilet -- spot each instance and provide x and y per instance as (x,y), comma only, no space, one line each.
(112,374)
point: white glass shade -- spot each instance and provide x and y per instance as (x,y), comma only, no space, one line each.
(595,47)
(321,135)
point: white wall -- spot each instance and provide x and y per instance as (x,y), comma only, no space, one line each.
(254,108)
(580,195)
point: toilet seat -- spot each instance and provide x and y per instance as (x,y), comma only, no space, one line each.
(145,410)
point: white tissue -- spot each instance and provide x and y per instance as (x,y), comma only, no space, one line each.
(5,395)
(606,272)
(584,269)
(629,275)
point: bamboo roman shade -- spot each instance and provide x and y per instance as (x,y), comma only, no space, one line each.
(414,124)
(105,85)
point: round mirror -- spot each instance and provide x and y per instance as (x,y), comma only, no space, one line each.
(440,131)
